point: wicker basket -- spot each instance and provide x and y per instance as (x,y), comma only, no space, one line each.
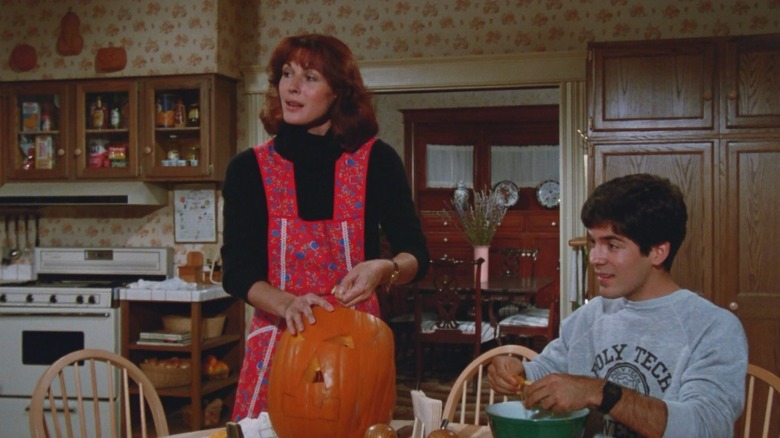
(211,413)
(209,328)
(166,377)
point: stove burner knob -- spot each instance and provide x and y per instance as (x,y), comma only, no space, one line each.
(79,299)
(29,298)
(92,299)
(53,299)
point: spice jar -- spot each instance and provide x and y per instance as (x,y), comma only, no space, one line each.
(193,115)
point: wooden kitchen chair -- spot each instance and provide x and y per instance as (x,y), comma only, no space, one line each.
(72,385)
(539,321)
(448,308)
(470,392)
(769,382)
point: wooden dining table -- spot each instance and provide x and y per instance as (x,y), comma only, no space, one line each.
(463,430)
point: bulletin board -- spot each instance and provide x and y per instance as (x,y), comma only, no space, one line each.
(195,215)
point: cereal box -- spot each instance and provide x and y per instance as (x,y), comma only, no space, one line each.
(31,116)
(44,152)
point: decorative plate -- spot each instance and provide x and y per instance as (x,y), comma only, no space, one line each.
(506,192)
(548,193)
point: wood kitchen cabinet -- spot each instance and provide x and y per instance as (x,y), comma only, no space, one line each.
(38,131)
(480,134)
(718,138)
(197,147)
(145,314)
(107,129)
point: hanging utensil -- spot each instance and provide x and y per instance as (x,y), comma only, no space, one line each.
(27,248)
(16,252)
(6,244)
(37,230)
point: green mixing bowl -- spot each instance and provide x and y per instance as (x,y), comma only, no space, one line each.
(513,420)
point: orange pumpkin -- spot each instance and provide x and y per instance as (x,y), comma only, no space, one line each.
(336,378)
(110,59)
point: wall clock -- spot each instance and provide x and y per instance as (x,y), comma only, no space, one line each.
(548,193)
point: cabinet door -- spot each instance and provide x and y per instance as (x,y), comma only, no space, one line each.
(39,142)
(106,129)
(652,85)
(751,86)
(750,245)
(176,146)
(689,165)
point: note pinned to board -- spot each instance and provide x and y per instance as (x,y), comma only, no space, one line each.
(195,215)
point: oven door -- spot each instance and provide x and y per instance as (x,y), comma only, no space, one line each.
(33,339)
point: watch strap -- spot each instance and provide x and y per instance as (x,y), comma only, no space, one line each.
(610,395)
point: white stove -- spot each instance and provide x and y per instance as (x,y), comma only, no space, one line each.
(73,304)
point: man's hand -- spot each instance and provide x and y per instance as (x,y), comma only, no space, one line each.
(563,392)
(502,374)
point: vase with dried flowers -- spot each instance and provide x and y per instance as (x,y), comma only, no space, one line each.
(479,220)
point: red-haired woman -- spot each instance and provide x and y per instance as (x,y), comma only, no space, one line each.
(303,212)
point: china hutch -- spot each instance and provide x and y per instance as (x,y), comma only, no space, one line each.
(482,148)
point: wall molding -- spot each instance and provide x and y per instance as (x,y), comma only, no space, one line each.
(468,72)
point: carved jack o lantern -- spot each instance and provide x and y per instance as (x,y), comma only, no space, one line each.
(334,379)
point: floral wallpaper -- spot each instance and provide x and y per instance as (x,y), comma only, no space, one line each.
(166,37)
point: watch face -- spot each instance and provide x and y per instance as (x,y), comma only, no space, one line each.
(506,192)
(549,194)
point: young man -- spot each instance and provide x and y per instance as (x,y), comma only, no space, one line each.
(654,359)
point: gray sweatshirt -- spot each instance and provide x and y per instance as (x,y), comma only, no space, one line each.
(680,348)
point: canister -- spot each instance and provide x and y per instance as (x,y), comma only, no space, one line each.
(166,104)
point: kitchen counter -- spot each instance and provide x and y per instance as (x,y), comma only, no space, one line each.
(203,292)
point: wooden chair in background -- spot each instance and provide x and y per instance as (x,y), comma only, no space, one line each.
(449,308)
(471,393)
(73,383)
(769,383)
(539,321)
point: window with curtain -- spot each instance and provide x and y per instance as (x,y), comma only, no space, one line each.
(449,164)
(526,166)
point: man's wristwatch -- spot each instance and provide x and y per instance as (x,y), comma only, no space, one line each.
(610,395)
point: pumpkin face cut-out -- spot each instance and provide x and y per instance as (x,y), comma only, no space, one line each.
(336,378)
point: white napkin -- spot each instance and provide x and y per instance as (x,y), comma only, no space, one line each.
(427,414)
(259,427)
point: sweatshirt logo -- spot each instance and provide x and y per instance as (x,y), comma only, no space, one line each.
(631,368)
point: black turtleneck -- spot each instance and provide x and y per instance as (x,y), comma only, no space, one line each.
(314,158)
(388,204)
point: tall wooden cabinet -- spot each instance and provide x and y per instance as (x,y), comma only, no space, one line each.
(480,132)
(706,114)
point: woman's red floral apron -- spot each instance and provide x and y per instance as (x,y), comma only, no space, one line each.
(303,257)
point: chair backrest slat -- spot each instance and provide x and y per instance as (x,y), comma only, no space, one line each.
(772,381)
(53,386)
(469,385)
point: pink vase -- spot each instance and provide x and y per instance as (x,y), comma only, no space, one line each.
(482,251)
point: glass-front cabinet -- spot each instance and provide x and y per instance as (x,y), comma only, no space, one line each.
(38,132)
(106,130)
(159,129)
(190,130)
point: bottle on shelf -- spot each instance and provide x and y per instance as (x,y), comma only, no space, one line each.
(99,114)
(193,115)
(179,114)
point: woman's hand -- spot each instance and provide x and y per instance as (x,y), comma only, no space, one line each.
(360,282)
(503,372)
(300,307)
